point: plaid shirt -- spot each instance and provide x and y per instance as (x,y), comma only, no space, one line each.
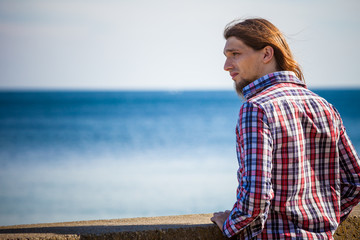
(299,174)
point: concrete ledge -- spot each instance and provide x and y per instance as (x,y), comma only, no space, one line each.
(169,227)
(197,226)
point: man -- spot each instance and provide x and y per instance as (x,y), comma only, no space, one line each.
(299,175)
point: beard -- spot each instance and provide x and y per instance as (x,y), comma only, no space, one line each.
(239,86)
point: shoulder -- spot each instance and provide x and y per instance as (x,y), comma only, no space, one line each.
(251,114)
(251,107)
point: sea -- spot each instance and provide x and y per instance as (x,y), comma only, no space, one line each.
(90,155)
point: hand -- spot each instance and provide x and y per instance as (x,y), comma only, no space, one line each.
(219,218)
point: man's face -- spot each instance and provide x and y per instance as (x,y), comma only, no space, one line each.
(242,62)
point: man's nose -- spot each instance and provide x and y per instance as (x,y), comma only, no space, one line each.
(227,65)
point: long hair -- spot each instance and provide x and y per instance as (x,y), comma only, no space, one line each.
(258,33)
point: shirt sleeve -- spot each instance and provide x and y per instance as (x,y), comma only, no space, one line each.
(349,174)
(254,149)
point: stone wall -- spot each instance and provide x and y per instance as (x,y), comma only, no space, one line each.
(197,226)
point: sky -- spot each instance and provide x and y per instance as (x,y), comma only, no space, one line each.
(164,45)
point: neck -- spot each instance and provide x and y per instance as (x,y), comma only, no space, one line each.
(269,68)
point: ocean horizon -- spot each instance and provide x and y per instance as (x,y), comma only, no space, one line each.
(70,155)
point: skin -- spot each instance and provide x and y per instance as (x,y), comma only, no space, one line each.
(245,65)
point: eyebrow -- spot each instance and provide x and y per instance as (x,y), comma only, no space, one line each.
(230,50)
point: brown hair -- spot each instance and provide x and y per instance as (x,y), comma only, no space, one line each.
(258,33)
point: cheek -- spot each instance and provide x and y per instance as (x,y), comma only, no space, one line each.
(244,62)
(240,65)
(249,66)
(243,67)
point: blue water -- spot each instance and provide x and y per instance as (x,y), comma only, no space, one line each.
(67,156)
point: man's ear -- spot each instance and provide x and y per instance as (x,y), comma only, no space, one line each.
(268,54)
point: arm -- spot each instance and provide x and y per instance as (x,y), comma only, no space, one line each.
(349,175)
(254,148)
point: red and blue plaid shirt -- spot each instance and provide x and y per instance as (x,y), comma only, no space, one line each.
(299,174)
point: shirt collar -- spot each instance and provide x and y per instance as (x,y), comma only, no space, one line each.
(268,80)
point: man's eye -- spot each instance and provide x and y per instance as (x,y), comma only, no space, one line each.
(236,54)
